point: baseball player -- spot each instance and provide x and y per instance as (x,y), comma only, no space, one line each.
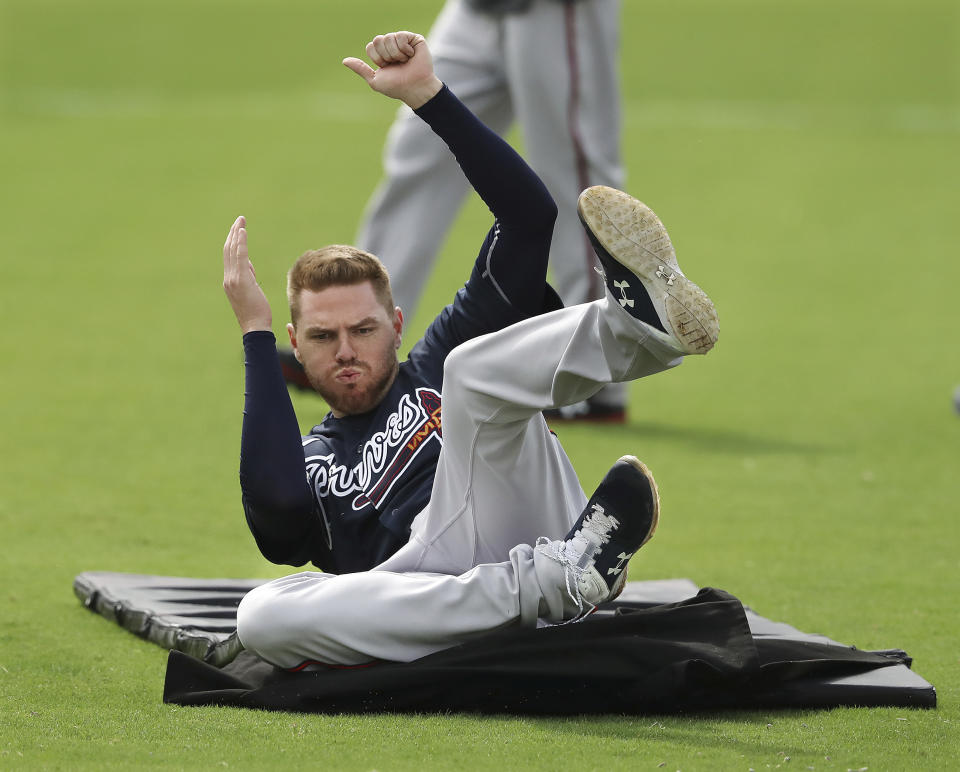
(551,65)
(433,532)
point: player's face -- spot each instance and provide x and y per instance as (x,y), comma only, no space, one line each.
(347,342)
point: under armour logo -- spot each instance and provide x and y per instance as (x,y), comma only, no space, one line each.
(623,558)
(662,274)
(623,287)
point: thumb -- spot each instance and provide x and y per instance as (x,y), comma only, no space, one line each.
(360,67)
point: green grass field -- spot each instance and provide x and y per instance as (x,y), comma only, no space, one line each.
(804,155)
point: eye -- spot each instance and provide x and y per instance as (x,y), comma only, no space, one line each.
(320,336)
(365,330)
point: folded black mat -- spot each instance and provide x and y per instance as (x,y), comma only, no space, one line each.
(697,654)
(662,647)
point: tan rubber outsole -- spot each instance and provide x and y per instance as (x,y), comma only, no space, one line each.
(645,471)
(632,233)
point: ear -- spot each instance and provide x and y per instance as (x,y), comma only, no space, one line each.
(398,326)
(292,333)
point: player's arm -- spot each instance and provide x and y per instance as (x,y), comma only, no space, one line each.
(509,278)
(276,498)
(514,193)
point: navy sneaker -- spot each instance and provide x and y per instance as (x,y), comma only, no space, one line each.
(641,271)
(619,519)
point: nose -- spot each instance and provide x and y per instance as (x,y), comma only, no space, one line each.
(345,352)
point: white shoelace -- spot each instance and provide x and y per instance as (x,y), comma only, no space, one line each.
(576,554)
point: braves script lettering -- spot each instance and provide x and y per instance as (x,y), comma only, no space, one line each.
(384,457)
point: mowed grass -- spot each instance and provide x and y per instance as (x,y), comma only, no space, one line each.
(804,156)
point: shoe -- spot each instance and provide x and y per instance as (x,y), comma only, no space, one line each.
(588,412)
(641,271)
(619,519)
(292,370)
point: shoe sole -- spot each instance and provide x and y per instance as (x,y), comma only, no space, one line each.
(632,235)
(637,464)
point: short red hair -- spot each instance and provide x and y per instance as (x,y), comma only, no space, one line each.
(333,266)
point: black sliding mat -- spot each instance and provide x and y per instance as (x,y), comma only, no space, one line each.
(662,647)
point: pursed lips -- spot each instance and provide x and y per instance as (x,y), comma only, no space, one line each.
(348,374)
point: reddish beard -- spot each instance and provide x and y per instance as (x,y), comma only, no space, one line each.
(357,397)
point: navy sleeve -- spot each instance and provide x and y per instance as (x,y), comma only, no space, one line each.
(508,281)
(508,186)
(276,497)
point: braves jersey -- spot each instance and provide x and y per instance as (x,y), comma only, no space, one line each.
(344,496)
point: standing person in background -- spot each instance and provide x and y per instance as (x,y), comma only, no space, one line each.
(549,65)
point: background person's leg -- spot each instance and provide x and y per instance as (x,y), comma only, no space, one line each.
(423,188)
(562,64)
(561,61)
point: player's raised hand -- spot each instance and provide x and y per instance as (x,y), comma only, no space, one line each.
(250,305)
(405,68)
